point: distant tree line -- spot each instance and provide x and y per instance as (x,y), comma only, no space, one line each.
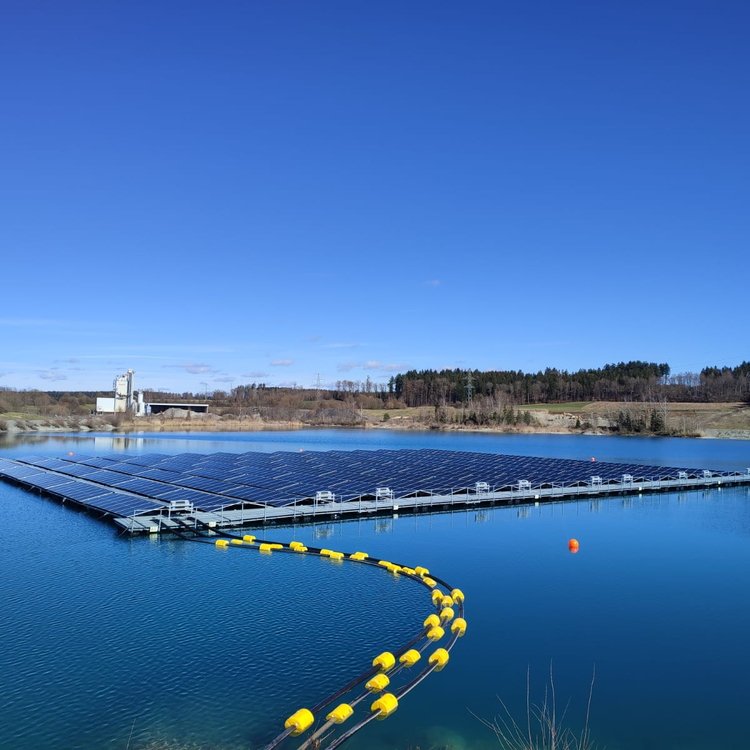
(625,381)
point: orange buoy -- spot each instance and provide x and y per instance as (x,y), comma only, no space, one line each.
(573,545)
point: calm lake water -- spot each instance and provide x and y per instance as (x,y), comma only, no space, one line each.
(109,641)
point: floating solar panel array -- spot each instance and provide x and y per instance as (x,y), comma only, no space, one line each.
(98,497)
(149,482)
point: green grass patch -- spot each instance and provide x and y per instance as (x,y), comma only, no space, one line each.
(570,407)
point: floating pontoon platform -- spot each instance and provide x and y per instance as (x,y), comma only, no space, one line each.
(154,493)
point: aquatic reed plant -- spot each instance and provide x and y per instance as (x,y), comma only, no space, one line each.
(544,728)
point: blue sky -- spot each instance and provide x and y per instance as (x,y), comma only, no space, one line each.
(232,192)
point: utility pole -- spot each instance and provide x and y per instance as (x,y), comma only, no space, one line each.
(469,386)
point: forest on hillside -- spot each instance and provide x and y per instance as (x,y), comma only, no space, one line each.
(625,381)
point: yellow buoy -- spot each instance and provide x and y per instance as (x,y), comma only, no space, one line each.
(446,614)
(458,626)
(385,705)
(458,596)
(439,658)
(410,657)
(432,621)
(435,634)
(384,661)
(340,714)
(378,683)
(300,721)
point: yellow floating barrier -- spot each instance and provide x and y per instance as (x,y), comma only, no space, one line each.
(384,661)
(385,705)
(446,601)
(458,596)
(446,614)
(301,548)
(429,581)
(336,555)
(221,543)
(439,658)
(420,571)
(294,545)
(276,545)
(435,634)
(408,571)
(300,721)
(410,657)
(378,683)
(432,621)
(238,542)
(458,626)
(385,563)
(358,556)
(249,538)
(267,548)
(437,596)
(340,714)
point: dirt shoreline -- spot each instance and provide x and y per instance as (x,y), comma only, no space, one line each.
(713,421)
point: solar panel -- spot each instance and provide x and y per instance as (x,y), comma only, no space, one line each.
(120,504)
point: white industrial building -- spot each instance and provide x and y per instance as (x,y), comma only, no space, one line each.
(127,400)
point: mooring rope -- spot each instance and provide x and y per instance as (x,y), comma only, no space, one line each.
(448,609)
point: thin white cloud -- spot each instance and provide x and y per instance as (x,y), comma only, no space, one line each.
(374,364)
(52,374)
(282,362)
(225,379)
(433,282)
(257,374)
(194,368)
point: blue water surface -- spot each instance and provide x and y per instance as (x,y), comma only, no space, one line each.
(113,642)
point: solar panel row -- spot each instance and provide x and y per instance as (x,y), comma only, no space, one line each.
(91,495)
(222,480)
